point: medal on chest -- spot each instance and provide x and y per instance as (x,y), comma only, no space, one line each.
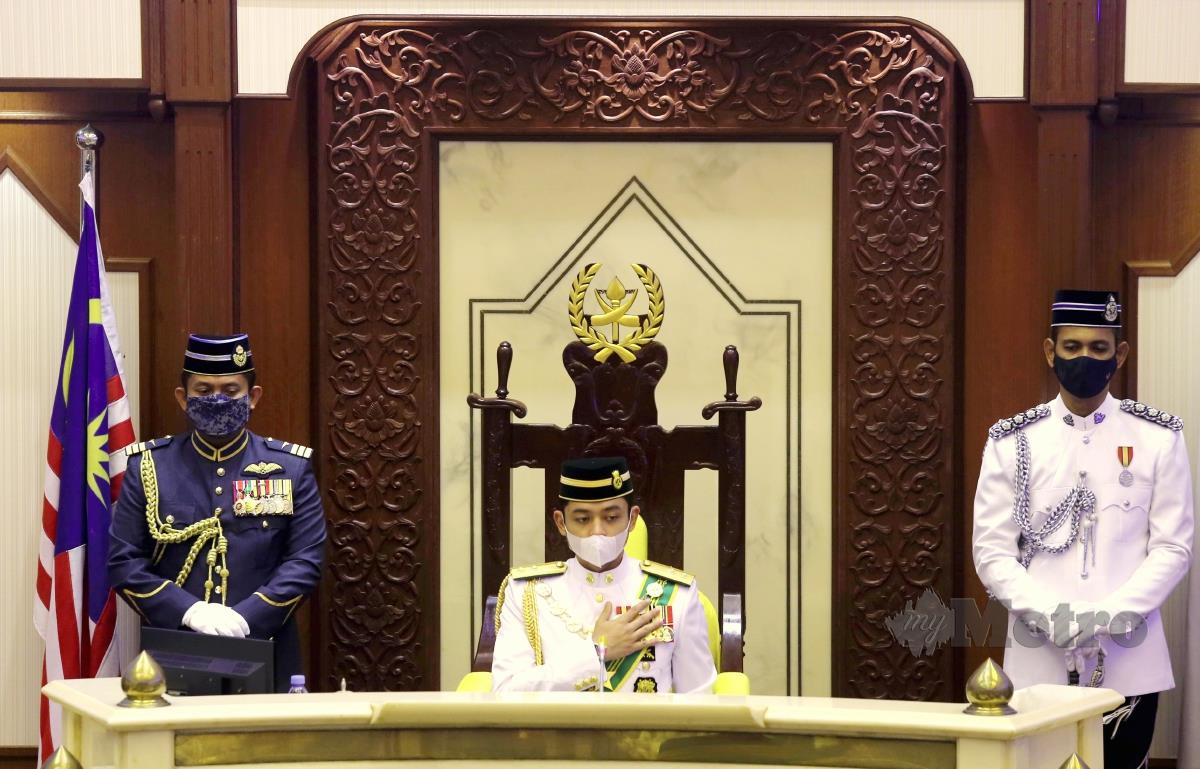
(1125,457)
(262,497)
(666,614)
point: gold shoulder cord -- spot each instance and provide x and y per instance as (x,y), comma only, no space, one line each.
(203,531)
(529,609)
(500,602)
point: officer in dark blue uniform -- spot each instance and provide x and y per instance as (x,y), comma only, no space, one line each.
(220,530)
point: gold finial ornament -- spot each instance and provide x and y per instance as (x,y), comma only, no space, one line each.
(62,759)
(989,690)
(144,684)
(1074,762)
(601,331)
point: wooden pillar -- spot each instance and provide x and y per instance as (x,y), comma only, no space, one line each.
(1064,73)
(198,75)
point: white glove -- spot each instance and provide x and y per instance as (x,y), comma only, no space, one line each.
(1073,634)
(215,619)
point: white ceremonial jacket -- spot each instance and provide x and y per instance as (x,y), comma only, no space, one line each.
(1142,535)
(566,615)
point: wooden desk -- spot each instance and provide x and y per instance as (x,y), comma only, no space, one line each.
(381,729)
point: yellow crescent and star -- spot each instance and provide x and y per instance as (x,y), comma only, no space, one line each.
(97,442)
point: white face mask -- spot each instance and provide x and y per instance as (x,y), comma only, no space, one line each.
(598,549)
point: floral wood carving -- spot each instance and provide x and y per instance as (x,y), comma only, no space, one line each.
(887,90)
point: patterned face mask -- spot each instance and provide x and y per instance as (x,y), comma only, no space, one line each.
(218,415)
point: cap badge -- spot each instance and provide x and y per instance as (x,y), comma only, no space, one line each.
(1111,310)
(239,356)
(617,482)
(601,332)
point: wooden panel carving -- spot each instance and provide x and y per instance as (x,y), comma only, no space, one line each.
(887,93)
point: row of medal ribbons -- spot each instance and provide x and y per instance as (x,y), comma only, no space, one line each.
(262,497)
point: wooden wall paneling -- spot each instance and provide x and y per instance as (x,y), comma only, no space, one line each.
(1004,301)
(197,75)
(136,209)
(197,50)
(1063,69)
(204,210)
(154,63)
(1110,53)
(1147,199)
(894,102)
(1065,85)
(275,270)
(1065,197)
(18,758)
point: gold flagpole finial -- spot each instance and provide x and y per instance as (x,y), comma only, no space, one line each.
(62,759)
(1074,762)
(144,684)
(989,690)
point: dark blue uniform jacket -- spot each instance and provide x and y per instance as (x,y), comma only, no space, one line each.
(273,554)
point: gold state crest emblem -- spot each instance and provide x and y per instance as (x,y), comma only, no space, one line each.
(602,331)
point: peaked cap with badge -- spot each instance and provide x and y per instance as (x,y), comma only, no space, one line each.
(239,523)
(594,479)
(546,613)
(1063,514)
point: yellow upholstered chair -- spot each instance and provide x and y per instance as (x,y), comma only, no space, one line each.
(636,547)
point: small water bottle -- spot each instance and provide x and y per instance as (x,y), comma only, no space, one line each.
(298,685)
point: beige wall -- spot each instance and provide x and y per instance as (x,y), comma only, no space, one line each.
(1169,378)
(518,220)
(37,259)
(70,39)
(990,34)
(1160,41)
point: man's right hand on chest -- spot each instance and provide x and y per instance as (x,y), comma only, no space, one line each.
(626,633)
(215,619)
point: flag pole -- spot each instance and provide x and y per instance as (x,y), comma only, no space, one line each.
(89,139)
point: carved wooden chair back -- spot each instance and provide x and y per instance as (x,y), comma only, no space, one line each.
(615,414)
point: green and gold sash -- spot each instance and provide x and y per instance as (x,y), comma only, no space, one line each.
(619,670)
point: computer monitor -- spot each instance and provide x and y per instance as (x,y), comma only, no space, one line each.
(197,664)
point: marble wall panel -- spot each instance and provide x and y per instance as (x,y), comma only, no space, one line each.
(741,235)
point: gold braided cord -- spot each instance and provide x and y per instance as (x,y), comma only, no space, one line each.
(500,602)
(165,534)
(529,609)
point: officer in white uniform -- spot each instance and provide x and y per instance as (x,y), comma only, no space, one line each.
(1083,526)
(600,621)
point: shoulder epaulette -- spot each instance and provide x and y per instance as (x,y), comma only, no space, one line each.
(551,569)
(1151,414)
(295,449)
(138,448)
(667,572)
(1017,421)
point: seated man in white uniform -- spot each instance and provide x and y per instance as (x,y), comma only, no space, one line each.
(600,621)
(1083,526)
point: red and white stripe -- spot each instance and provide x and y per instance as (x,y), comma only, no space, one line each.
(77,647)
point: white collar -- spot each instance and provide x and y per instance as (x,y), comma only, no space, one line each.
(1087,423)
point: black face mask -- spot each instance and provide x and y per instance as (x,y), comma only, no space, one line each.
(1084,376)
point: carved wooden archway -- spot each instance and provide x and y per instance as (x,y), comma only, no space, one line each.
(888,94)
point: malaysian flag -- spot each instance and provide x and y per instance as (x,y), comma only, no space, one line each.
(75,611)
